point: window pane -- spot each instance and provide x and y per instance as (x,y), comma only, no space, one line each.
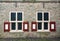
(46,16)
(13,26)
(39,16)
(39,25)
(13,16)
(45,25)
(19,26)
(19,16)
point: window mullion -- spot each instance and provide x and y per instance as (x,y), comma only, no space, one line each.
(9,16)
(42,26)
(48,26)
(22,26)
(10,25)
(42,21)
(16,21)
(22,16)
(49,16)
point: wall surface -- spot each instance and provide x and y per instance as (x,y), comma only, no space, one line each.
(29,0)
(29,10)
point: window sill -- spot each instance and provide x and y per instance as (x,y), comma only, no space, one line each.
(16,31)
(43,31)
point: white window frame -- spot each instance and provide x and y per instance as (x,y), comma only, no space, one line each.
(16,21)
(42,21)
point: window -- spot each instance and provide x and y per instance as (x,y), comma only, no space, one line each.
(13,26)
(45,25)
(13,16)
(43,19)
(16,19)
(39,16)
(39,25)
(19,25)
(19,16)
(46,16)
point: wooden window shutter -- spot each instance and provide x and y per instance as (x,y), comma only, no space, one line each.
(52,26)
(6,26)
(34,26)
(25,26)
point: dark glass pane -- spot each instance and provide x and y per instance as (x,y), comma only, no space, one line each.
(39,25)
(19,26)
(39,16)
(13,16)
(46,16)
(45,25)
(13,26)
(19,16)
